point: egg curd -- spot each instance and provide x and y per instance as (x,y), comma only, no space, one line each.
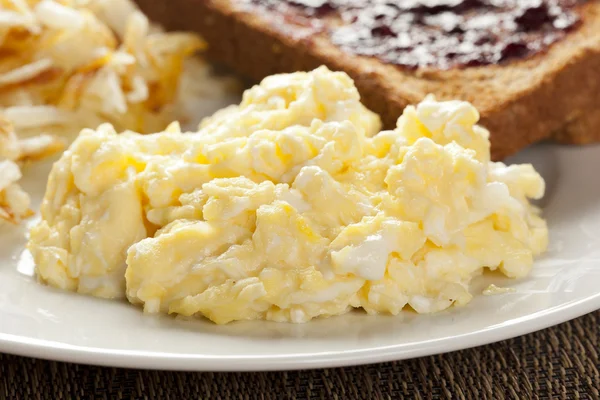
(288,207)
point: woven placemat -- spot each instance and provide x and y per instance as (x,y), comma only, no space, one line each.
(561,362)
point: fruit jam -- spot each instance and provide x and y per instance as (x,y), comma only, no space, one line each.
(441,34)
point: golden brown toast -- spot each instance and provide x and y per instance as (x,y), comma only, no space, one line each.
(550,94)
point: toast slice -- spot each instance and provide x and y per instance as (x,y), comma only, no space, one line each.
(549,94)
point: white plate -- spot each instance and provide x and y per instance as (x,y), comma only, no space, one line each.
(42,322)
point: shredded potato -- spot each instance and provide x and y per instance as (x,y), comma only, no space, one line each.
(14,202)
(66,65)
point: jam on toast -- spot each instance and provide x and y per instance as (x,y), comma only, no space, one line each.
(529,66)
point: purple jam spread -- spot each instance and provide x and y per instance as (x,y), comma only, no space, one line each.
(438,33)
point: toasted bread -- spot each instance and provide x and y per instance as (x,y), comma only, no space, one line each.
(550,94)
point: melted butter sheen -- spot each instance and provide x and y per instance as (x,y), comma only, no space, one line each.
(440,33)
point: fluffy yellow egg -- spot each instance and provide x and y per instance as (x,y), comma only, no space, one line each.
(291,206)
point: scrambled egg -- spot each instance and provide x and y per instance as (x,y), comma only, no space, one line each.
(288,207)
(493,290)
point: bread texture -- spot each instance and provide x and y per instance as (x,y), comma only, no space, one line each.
(551,95)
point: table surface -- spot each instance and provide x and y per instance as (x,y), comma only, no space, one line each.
(560,362)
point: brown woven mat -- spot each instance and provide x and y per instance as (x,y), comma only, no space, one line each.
(560,362)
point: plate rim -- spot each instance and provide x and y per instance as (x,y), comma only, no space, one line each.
(23,345)
(63,352)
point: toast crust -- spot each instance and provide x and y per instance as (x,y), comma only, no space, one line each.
(520,103)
